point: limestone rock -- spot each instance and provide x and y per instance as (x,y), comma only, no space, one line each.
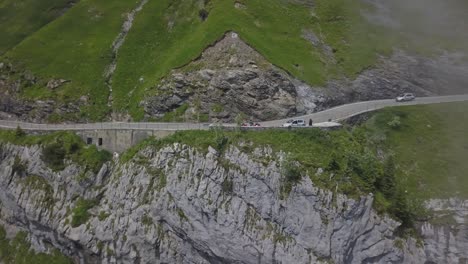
(56,83)
(171,204)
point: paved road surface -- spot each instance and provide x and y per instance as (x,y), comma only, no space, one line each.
(334,114)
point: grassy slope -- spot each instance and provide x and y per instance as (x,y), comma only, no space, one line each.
(431,148)
(152,50)
(19,19)
(77,45)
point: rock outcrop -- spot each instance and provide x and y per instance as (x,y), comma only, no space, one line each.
(229,77)
(231,74)
(13,106)
(178,204)
(447,231)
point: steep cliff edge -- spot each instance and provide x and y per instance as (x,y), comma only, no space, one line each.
(179,204)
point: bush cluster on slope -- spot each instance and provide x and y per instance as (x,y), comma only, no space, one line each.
(17,251)
(59,147)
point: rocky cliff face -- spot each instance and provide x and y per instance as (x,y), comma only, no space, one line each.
(177,204)
(447,232)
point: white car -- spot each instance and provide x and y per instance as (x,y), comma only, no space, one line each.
(405,97)
(295,123)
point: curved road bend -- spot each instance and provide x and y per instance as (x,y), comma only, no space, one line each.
(335,114)
(349,110)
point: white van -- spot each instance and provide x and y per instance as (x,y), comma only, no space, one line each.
(295,123)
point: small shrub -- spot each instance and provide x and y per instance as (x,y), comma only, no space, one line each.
(19,133)
(387,182)
(227,186)
(203,14)
(292,172)
(334,165)
(93,158)
(401,209)
(381,204)
(221,141)
(291,175)
(53,155)
(80,212)
(395,123)
(18,167)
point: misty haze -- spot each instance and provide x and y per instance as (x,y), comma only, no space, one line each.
(234,131)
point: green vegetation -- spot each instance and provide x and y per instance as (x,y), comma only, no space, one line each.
(429,147)
(19,19)
(103,215)
(147,220)
(354,171)
(423,156)
(178,115)
(292,173)
(18,166)
(227,185)
(76,47)
(181,214)
(60,146)
(34,182)
(18,251)
(53,155)
(185,36)
(80,212)
(172,33)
